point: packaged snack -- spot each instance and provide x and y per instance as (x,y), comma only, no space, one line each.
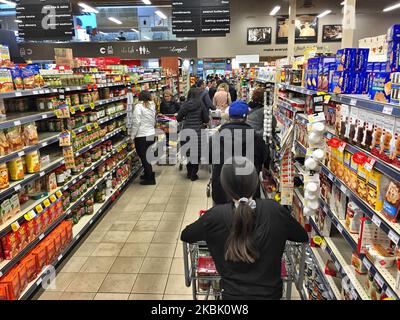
(371,234)
(361,59)
(31,229)
(16,169)
(4,182)
(377,139)
(366,144)
(51,182)
(14,138)
(23,276)
(353,218)
(10,244)
(17,78)
(347,163)
(353,124)
(381,255)
(346,59)
(357,263)
(40,254)
(353,179)
(11,280)
(393,64)
(362,177)
(32,162)
(391,202)
(22,237)
(377,184)
(28,78)
(4,294)
(6,211)
(30,265)
(380,87)
(6,82)
(30,135)
(5,147)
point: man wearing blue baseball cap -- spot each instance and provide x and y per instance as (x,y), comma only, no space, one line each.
(240,136)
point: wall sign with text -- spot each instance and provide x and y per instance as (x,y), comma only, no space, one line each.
(201,18)
(45,20)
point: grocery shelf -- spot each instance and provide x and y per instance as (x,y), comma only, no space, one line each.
(320,264)
(344,268)
(100,121)
(360,101)
(300,148)
(45,139)
(106,137)
(6,265)
(390,228)
(301,117)
(299,196)
(19,118)
(78,230)
(26,93)
(286,105)
(110,100)
(31,204)
(386,278)
(352,239)
(17,185)
(85,87)
(388,169)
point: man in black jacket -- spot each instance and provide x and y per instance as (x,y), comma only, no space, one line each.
(235,135)
(204,96)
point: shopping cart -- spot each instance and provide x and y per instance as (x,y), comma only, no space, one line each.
(168,124)
(201,274)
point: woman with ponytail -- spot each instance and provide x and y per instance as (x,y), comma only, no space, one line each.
(246,237)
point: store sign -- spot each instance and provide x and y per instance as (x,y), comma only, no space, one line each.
(201,18)
(121,49)
(45,20)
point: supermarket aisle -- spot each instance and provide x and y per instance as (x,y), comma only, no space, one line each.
(134,252)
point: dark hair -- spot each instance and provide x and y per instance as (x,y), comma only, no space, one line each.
(258,95)
(194,94)
(240,246)
(199,83)
(145,97)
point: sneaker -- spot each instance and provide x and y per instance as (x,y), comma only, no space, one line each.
(194,178)
(188,175)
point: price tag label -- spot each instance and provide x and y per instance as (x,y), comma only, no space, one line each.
(72,110)
(41,236)
(59,194)
(376,220)
(343,189)
(340,228)
(91,105)
(330,176)
(17,188)
(88,127)
(387,110)
(35,92)
(96,125)
(17,123)
(82,107)
(353,102)
(323,245)
(369,164)
(42,174)
(367,264)
(47,203)
(18,94)
(15,226)
(393,236)
(78,236)
(91,221)
(390,293)
(337,265)
(59,257)
(53,198)
(354,294)
(39,208)
(379,280)
(342,146)
(41,91)
(20,154)
(44,116)
(30,215)
(316,117)
(44,144)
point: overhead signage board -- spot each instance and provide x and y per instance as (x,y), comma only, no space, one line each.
(197,18)
(122,49)
(41,20)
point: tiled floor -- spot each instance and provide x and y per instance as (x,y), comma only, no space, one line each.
(134,252)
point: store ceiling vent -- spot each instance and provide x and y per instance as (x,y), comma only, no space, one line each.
(308,4)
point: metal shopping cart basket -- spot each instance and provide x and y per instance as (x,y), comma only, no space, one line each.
(168,124)
(201,274)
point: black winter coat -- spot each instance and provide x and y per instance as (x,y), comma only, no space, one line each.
(261,156)
(169,108)
(194,115)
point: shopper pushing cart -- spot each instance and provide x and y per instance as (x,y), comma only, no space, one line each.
(246,237)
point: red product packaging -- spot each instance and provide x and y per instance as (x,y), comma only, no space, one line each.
(23,237)
(57,241)
(50,249)
(50,215)
(58,208)
(30,264)
(23,276)
(44,217)
(11,280)
(4,294)
(40,254)
(10,244)
(63,236)
(68,228)
(32,229)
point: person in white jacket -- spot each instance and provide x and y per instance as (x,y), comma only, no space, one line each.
(143,132)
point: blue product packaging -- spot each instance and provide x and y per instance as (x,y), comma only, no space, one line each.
(377,67)
(310,73)
(343,82)
(380,87)
(370,67)
(323,73)
(346,59)
(393,57)
(360,82)
(394,33)
(361,59)
(384,66)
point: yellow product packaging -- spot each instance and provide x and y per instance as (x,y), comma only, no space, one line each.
(32,162)
(376,187)
(362,177)
(347,163)
(16,169)
(340,168)
(353,183)
(333,160)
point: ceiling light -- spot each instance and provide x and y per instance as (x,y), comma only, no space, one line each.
(393,7)
(161,15)
(323,14)
(10,3)
(146,1)
(87,8)
(134,30)
(115,20)
(275,10)
(146,37)
(18,21)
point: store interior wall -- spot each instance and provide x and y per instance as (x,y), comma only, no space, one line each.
(254,13)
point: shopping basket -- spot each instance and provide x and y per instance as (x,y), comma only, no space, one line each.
(201,274)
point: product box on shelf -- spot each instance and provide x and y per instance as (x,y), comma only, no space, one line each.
(391,202)
(395,155)
(371,234)
(393,33)
(380,87)
(361,59)
(388,138)
(346,59)
(395,93)
(362,176)
(377,134)
(323,222)
(393,64)
(11,280)
(377,186)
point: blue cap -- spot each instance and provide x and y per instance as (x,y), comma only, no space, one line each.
(238,110)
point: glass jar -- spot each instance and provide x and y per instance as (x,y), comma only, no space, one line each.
(60,177)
